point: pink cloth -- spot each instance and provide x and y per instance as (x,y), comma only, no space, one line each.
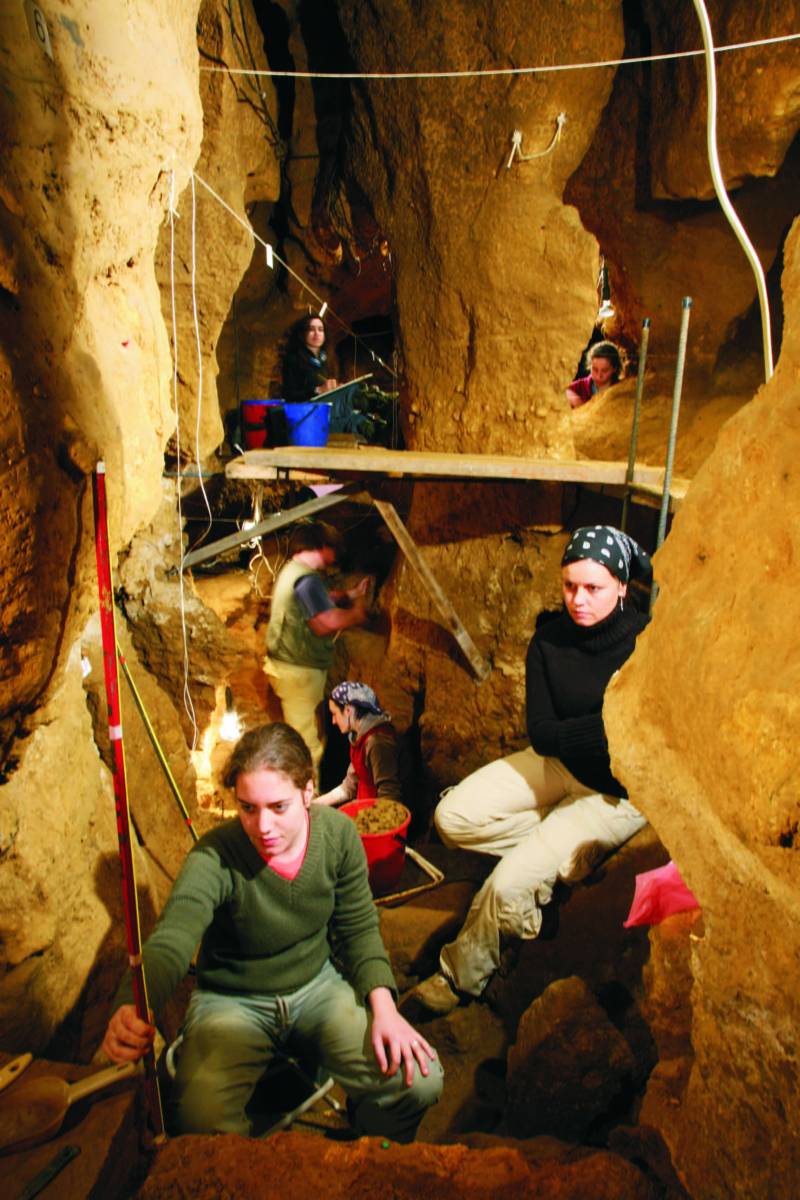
(657,895)
(289,870)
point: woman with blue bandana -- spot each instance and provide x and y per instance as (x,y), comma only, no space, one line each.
(554,810)
(373,770)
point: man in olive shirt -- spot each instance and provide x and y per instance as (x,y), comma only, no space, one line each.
(304,621)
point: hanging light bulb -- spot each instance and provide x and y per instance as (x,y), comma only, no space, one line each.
(605,311)
(230,729)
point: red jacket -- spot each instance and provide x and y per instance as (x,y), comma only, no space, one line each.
(382,754)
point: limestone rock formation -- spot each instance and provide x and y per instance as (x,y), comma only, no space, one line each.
(487,348)
(650,145)
(299,1165)
(86,135)
(93,134)
(87,132)
(712,693)
(204,251)
(755,85)
(567,1065)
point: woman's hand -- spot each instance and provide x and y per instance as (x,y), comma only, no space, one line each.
(327,386)
(394,1041)
(127,1036)
(336,795)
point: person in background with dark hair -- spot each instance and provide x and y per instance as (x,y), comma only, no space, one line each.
(373,770)
(554,810)
(303,623)
(306,367)
(264,894)
(305,363)
(605,367)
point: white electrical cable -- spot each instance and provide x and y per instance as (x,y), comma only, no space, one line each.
(187,696)
(277,258)
(489,71)
(516,143)
(719,185)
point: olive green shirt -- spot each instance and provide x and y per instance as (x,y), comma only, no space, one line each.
(259,932)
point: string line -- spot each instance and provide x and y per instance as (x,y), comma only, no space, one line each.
(482,73)
(274,254)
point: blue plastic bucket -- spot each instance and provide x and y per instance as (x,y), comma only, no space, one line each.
(308,423)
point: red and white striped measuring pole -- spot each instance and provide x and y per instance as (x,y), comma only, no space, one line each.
(129,903)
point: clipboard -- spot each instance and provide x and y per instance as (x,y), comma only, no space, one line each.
(340,387)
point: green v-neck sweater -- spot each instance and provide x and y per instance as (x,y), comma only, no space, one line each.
(259,932)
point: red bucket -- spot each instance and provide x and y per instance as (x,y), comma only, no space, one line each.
(385,851)
(254,422)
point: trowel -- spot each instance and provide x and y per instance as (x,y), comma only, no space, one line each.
(34,1111)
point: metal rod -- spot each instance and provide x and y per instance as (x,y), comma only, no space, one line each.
(277,521)
(130,905)
(635,424)
(673,432)
(151,733)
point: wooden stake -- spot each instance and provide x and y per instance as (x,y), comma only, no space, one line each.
(451,619)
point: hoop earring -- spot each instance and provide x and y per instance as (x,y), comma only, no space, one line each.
(622,603)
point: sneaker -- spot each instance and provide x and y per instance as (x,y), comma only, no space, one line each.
(436,994)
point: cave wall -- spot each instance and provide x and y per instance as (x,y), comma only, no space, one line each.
(91,138)
(84,352)
(712,693)
(494,274)
(644,188)
(238,161)
(86,138)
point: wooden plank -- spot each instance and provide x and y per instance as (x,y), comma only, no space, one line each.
(365,460)
(451,619)
(269,525)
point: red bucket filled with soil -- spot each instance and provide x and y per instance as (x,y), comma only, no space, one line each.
(382,826)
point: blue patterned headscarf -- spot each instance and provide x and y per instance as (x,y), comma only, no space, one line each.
(359,694)
(613,549)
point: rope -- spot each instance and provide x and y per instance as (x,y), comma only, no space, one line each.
(719,186)
(507,71)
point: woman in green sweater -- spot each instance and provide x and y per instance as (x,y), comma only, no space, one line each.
(263,894)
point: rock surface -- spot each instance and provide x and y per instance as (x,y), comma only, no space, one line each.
(712,691)
(290,1163)
(474,343)
(568,1064)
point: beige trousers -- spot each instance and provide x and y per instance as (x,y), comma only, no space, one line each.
(300,691)
(544,825)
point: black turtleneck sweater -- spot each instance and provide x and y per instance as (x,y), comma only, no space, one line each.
(566,674)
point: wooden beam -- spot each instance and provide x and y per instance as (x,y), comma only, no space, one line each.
(269,525)
(451,619)
(366,460)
